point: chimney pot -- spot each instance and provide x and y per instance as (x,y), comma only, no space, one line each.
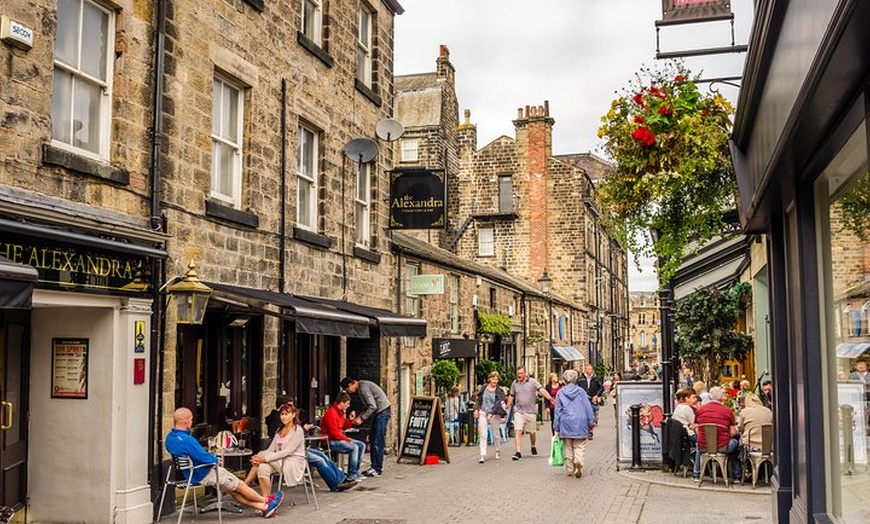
(519,113)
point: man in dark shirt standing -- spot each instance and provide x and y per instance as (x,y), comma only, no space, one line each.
(590,382)
(378,409)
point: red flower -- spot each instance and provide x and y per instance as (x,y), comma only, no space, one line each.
(639,119)
(644,136)
(665,110)
(679,78)
(638,99)
(705,112)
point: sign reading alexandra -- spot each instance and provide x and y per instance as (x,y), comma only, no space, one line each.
(418,199)
(70,266)
(689,11)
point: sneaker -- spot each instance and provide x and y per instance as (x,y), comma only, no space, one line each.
(534,450)
(355,478)
(578,470)
(696,478)
(272,505)
(517,456)
(482,459)
(371,472)
(348,485)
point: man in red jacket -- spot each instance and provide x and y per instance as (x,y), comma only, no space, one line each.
(333,425)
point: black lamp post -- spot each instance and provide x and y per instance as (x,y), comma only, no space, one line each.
(668,361)
(546,284)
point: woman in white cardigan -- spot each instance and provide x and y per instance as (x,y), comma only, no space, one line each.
(287,449)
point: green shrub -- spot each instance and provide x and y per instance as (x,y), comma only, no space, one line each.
(445,373)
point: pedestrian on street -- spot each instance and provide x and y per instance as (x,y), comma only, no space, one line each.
(573,422)
(553,387)
(378,411)
(490,410)
(523,396)
(590,383)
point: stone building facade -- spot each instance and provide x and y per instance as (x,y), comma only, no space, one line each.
(646,337)
(516,206)
(138,137)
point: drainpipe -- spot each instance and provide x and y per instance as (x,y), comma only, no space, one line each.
(158,320)
(399,350)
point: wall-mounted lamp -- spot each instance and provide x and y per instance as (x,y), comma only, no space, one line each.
(546,283)
(191,297)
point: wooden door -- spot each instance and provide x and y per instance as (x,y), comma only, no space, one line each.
(14,368)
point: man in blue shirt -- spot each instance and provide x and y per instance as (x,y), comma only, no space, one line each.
(180,443)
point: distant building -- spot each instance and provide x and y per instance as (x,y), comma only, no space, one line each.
(645,330)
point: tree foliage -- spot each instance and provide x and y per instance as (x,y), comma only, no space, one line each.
(673,169)
(705,323)
(445,373)
(493,323)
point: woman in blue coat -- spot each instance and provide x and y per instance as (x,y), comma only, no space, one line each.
(573,422)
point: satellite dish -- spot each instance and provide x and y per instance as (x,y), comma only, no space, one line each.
(389,129)
(361,149)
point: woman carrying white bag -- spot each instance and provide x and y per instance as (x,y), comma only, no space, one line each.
(573,421)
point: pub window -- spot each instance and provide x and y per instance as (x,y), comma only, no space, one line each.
(410,151)
(226,142)
(82,92)
(453,283)
(363,205)
(505,193)
(412,301)
(364,46)
(492,298)
(312,20)
(485,241)
(307,178)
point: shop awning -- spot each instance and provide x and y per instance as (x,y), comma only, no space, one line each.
(390,324)
(311,318)
(567,353)
(16,284)
(454,348)
(852,350)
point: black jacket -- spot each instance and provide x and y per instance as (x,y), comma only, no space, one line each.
(593,387)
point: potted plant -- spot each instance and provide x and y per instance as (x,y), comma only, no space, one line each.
(445,374)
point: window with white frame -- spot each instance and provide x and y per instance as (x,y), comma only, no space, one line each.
(453,283)
(412,301)
(410,152)
(312,20)
(363,205)
(81,95)
(505,193)
(226,142)
(307,175)
(485,241)
(364,46)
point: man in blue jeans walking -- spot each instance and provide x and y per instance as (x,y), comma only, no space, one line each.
(378,410)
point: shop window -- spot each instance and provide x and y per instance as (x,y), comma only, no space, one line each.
(82,91)
(412,301)
(842,195)
(363,205)
(307,178)
(226,142)
(312,20)
(364,46)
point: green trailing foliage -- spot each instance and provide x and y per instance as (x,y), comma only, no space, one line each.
(485,367)
(705,325)
(493,323)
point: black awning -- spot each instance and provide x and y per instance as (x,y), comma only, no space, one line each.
(454,348)
(391,324)
(16,284)
(310,318)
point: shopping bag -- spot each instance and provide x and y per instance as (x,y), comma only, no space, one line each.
(557,454)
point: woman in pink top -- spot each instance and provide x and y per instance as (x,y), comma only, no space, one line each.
(287,450)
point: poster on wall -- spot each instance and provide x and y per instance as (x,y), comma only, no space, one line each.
(69,368)
(852,402)
(649,396)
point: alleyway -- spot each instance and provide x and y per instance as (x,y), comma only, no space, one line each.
(500,490)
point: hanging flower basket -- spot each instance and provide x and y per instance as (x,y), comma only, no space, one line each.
(673,169)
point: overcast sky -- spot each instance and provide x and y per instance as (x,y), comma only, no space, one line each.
(576,54)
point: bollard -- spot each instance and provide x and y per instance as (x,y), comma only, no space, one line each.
(635,438)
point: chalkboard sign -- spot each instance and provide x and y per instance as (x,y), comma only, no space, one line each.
(424,432)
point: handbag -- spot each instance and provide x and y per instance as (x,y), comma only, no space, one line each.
(557,453)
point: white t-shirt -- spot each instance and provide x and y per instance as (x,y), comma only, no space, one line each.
(686,415)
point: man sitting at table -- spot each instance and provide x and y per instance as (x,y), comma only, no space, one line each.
(715,412)
(333,425)
(180,443)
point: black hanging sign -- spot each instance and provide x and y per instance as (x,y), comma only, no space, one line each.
(691,11)
(424,432)
(418,199)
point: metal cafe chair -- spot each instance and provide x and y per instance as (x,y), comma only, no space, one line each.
(711,455)
(757,459)
(183,466)
(307,483)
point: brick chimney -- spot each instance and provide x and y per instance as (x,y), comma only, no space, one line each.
(444,69)
(534,142)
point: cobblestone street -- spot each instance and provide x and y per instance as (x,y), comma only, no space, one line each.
(500,490)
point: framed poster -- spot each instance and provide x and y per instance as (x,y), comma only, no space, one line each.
(69,368)
(649,396)
(850,395)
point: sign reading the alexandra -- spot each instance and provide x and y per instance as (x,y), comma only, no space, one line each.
(689,11)
(69,266)
(418,199)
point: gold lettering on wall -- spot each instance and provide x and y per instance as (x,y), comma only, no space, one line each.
(103,266)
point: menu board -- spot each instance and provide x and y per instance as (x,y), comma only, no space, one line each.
(424,431)
(69,368)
